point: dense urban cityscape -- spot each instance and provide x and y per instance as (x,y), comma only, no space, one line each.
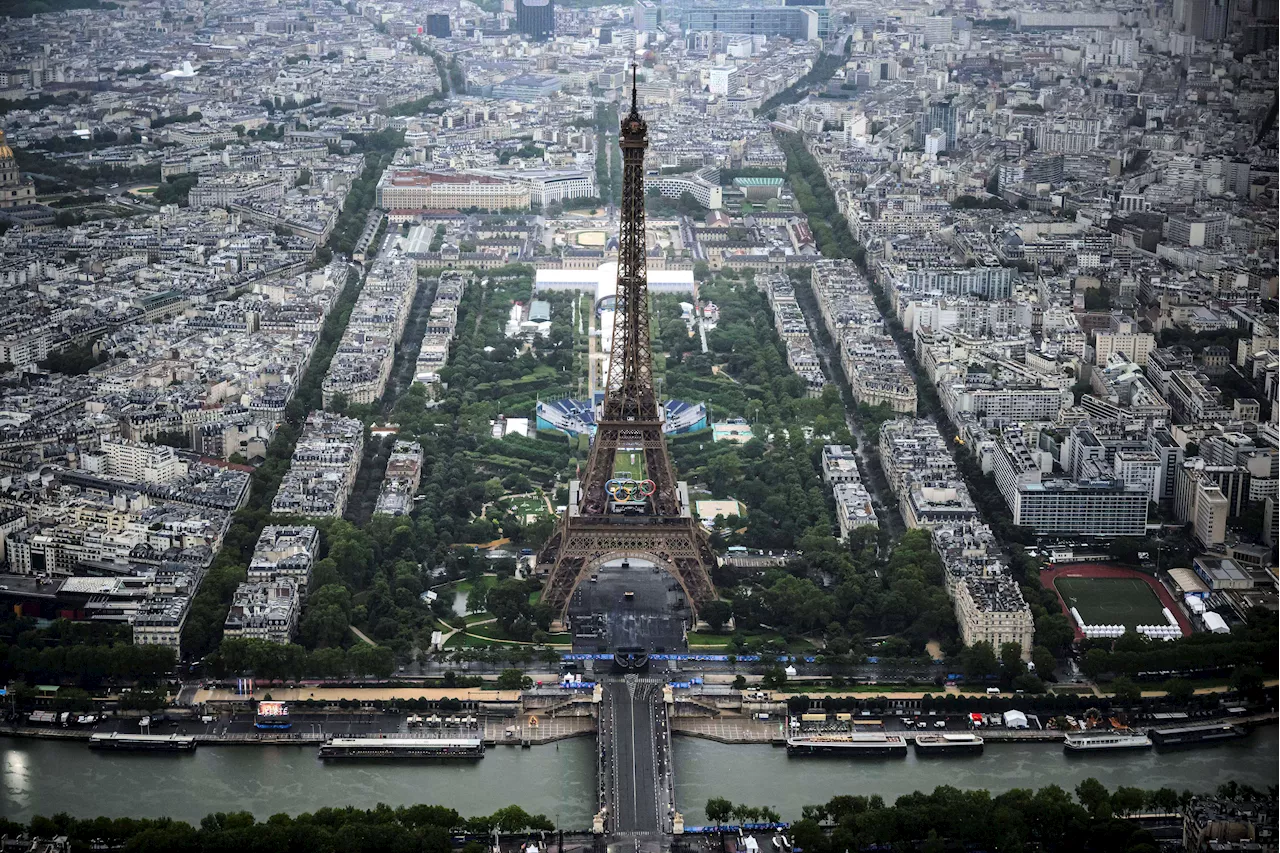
(652,426)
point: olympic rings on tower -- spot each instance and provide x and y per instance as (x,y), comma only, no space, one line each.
(627,490)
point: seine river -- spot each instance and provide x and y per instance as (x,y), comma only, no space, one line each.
(45,777)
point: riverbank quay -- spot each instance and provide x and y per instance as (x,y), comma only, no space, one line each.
(360,694)
(743,732)
(316,728)
(731,730)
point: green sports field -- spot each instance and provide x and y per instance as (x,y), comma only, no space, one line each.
(1111,601)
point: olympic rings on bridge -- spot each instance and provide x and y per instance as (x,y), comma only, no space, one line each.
(626,490)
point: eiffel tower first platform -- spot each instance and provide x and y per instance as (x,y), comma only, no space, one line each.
(644,515)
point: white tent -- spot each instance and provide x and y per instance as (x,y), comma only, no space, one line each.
(1216,623)
(1015,720)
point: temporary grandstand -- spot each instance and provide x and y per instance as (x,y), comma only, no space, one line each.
(578,417)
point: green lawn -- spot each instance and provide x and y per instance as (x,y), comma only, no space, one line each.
(462,640)
(492,635)
(520,507)
(491,630)
(697,638)
(629,464)
(1112,601)
(483,582)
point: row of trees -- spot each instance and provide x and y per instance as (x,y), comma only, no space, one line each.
(829,226)
(1048,819)
(363,192)
(290,661)
(87,654)
(1251,643)
(822,71)
(720,811)
(408,829)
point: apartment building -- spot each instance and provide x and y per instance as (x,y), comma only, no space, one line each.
(285,552)
(988,282)
(159,620)
(1124,338)
(853,508)
(322,471)
(400,484)
(926,504)
(264,610)
(1069,507)
(992,610)
(1140,467)
(1200,502)
(839,465)
(1004,402)
(136,462)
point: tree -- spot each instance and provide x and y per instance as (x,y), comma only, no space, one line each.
(1126,690)
(1055,633)
(716,613)
(1247,681)
(328,618)
(1126,799)
(1180,690)
(1011,660)
(1028,683)
(508,601)
(1095,662)
(1044,661)
(774,676)
(1093,796)
(513,679)
(719,810)
(980,660)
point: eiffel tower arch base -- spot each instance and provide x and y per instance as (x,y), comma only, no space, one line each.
(581,546)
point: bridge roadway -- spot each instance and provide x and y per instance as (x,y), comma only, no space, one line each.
(635,758)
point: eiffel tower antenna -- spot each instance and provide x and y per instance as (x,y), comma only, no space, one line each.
(643,514)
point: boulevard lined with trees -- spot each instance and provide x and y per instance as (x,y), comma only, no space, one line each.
(839,594)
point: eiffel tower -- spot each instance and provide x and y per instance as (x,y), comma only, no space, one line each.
(645,516)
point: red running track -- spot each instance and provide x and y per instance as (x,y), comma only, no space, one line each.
(1102,570)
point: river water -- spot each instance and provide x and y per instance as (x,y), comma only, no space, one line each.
(45,777)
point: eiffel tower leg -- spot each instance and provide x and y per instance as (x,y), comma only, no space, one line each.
(579,547)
